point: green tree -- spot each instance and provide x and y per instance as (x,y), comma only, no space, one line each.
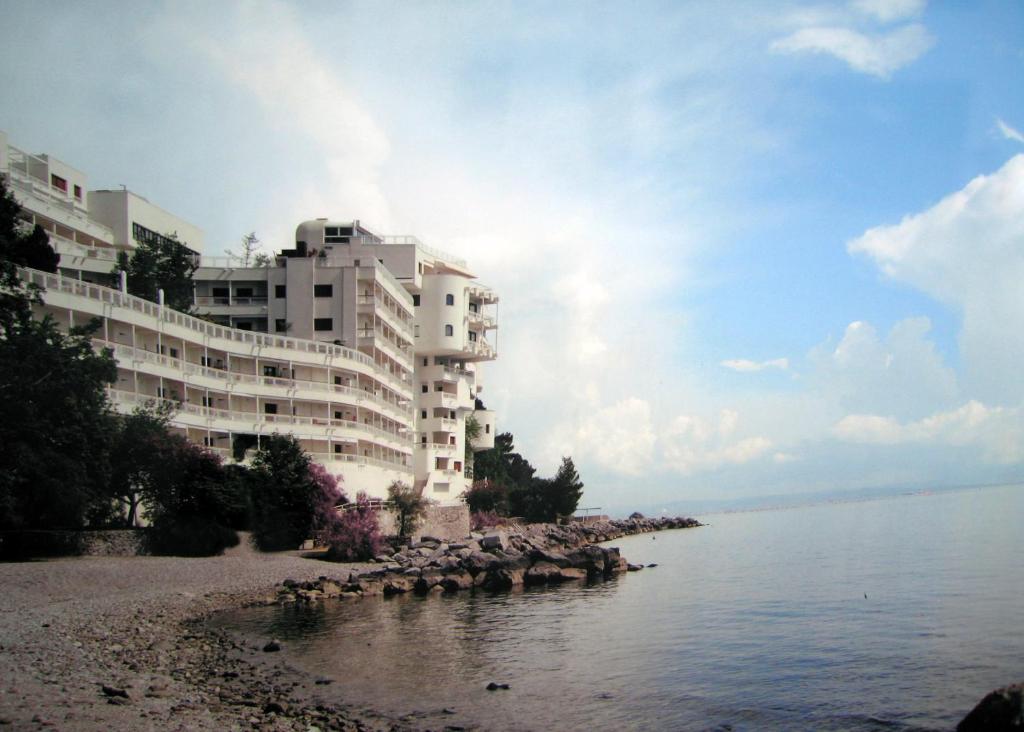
(56,419)
(137,459)
(565,490)
(248,250)
(409,505)
(472,433)
(285,494)
(162,263)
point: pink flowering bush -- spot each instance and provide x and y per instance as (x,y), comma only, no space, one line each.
(355,537)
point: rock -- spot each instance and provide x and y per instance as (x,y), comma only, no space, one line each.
(274,707)
(503,579)
(541,573)
(494,540)
(324,680)
(456,581)
(569,574)
(634,567)
(494,686)
(653,564)
(382,558)
(272,647)
(1000,710)
(113,691)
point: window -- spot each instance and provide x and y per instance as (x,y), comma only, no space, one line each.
(423,414)
(323,290)
(337,449)
(472,336)
(323,324)
(416,331)
(243,292)
(280,290)
(270,370)
(280,325)
(424,389)
(451,414)
(337,380)
(174,353)
(270,409)
(207,402)
(451,439)
(415,300)
(337,414)
(78,192)
(59,183)
(244,325)
(423,440)
(425,361)
(449,299)
(487,429)
(474,308)
(458,466)
(449,330)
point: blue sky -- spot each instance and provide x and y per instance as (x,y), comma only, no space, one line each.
(743,248)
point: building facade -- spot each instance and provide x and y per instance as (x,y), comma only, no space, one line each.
(366,348)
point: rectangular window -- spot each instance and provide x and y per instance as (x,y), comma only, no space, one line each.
(423,440)
(280,290)
(416,331)
(423,414)
(243,292)
(207,402)
(337,380)
(472,337)
(424,389)
(59,183)
(425,361)
(244,326)
(487,429)
(174,353)
(337,415)
(323,290)
(458,466)
(270,371)
(451,439)
(270,409)
(415,300)
(280,325)
(337,449)
(323,324)
(449,330)
(78,192)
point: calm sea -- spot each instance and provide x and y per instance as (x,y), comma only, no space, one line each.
(895,614)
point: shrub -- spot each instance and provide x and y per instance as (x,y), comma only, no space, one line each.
(191,536)
(479,520)
(285,494)
(326,501)
(410,506)
(487,496)
(636,516)
(355,536)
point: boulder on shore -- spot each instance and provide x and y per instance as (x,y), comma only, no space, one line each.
(1000,710)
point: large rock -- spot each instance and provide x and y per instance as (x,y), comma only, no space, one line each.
(503,579)
(1001,710)
(541,573)
(494,540)
(456,581)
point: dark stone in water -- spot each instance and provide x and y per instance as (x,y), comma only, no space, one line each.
(273,707)
(323,681)
(272,646)
(652,565)
(493,686)
(1001,710)
(113,691)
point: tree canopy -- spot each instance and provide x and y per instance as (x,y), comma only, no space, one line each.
(160,263)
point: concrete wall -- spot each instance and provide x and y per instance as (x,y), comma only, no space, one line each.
(442,522)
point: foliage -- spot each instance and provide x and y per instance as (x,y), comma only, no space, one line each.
(487,496)
(248,250)
(636,516)
(137,458)
(165,264)
(410,506)
(472,433)
(285,494)
(261,260)
(356,536)
(480,520)
(548,499)
(502,465)
(190,501)
(326,501)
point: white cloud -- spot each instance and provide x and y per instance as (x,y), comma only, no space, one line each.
(878,54)
(966,251)
(745,365)
(692,444)
(999,431)
(887,11)
(619,438)
(1008,132)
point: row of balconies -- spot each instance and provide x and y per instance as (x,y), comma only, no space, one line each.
(296,349)
(243,420)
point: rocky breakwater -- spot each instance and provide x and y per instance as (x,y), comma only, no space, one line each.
(501,559)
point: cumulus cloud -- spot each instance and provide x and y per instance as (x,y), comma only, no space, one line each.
(1008,132)
(999,431)
(902,373)
(878,54)
(619,438)
(746,365)
(692,444)
(966,251)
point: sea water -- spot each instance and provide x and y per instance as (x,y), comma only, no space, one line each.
(897,614)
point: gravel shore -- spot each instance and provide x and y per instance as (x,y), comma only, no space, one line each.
(113,643)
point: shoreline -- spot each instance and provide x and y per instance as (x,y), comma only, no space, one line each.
(105,643)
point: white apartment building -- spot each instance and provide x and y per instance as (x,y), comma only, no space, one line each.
(365,348)
(423,318)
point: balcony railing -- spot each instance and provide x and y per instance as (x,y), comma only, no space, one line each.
(221,300)
(131,398)
(344,457)
(229,378)
(116,298)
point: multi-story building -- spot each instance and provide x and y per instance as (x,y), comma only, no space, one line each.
(416,311)
(365,348)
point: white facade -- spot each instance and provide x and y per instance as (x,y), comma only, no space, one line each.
(366,348)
